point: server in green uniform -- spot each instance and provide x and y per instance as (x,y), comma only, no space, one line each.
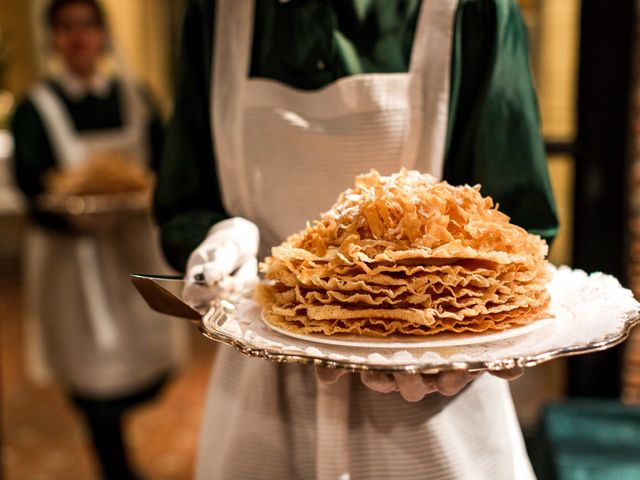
(279,105)
(99,340)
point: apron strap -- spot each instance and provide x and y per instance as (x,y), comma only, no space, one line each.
(59,126)
(431,60)
(231,59)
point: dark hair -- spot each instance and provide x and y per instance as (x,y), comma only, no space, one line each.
(56,5)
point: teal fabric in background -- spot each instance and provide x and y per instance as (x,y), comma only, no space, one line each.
(593,440)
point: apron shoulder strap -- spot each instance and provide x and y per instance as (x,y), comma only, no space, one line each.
(136,116)
(58,125)
(431,61)
(134,108)
(232,38)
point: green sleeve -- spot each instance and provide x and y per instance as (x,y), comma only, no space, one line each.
(494,136)
(32,151)
(32,157)
(187,199)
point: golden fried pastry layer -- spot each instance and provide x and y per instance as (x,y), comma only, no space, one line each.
(408,255)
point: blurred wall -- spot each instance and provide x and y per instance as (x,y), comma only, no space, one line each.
(142,33)
(557,82)
(556,73)
(554,33)
(18,69)
(16,32)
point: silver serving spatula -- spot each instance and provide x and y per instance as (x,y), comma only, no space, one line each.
(162,294)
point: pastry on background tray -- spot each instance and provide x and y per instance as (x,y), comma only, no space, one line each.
(108,174)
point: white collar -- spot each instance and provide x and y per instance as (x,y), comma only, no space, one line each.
(75,88)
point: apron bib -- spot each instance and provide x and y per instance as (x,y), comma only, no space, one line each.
(283,156)
(277,145)
(98,337)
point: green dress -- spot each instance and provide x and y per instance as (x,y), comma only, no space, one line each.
(494,135)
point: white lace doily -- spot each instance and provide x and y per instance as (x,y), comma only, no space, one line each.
(592,312)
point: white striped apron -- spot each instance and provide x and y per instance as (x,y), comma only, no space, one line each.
(283,155)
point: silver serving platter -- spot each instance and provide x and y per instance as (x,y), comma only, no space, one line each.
(592,313)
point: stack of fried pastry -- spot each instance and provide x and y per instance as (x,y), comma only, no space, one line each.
(405,254)
(104,174)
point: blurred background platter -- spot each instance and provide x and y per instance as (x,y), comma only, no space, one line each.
(78,205)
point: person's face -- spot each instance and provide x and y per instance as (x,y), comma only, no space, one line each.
(78,37)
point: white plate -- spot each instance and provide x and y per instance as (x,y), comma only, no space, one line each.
(398,342)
